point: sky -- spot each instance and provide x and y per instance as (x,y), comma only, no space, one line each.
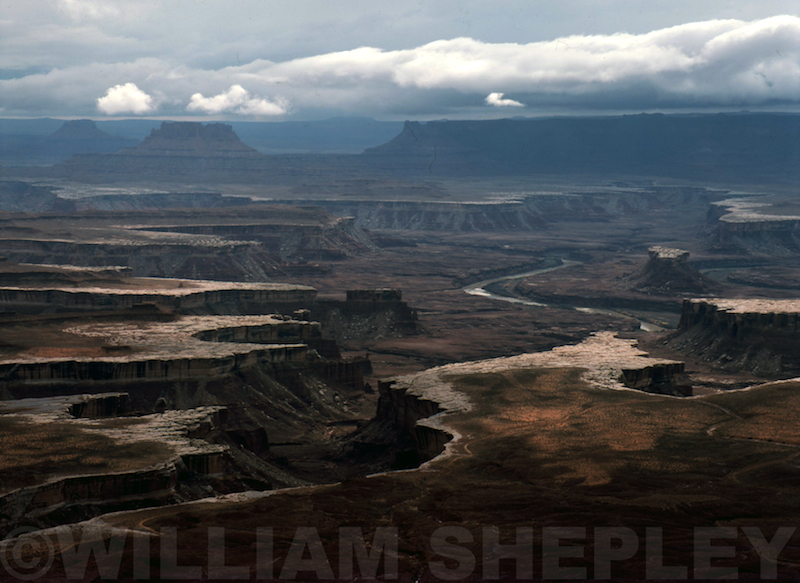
(269,60)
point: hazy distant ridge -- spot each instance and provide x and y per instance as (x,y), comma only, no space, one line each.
(691,146)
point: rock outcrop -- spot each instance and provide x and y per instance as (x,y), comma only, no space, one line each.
(366,313)
(193,140)
(119,481)
(174,295)
(668,273)
(758,336)
(100,406)
(747,225)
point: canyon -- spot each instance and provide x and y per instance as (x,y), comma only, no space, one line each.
(456,328)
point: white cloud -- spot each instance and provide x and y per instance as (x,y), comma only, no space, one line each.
(569,64)
(126,98)
(496,99)
(718,63)
(237,100)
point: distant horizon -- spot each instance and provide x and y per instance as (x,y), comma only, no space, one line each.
(421,119)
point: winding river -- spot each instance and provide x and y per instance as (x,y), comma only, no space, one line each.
(479,289)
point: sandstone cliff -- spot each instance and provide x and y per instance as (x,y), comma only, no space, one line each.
(243,243)
(759,336)
(752,225)
(516,211)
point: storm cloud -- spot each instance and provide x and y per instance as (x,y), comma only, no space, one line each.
(714,63)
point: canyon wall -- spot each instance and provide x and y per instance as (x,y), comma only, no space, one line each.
(756,225)
(335,240)
(770,236)
(102,405)
(27,379)
(153,482)
(759,336)
(265,300)
(522,211)
(663,379)
(404,410)
(192,259)
(271,333)
(182,430)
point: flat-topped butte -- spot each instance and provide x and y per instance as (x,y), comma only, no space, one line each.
(658,252)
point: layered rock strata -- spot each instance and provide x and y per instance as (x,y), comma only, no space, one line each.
(368,313)
(173,350)
(760,336)
(746,224)
(176,431)
(516,210)
(171,294)
(234,243)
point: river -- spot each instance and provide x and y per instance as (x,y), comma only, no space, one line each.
(479,289)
